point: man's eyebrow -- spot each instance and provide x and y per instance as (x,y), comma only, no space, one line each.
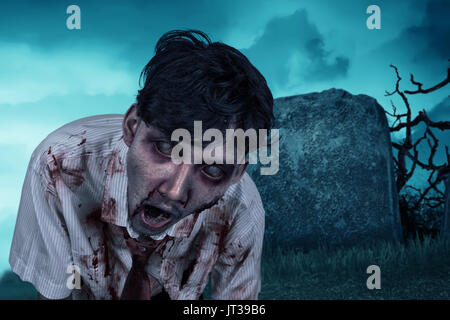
(156,132)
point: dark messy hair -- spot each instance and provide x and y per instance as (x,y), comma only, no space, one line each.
(191,78)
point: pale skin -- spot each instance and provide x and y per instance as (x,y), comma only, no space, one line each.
(155,180)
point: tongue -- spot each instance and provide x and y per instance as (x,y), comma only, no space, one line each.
(159,219)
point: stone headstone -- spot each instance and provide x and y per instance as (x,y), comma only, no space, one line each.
(335,183)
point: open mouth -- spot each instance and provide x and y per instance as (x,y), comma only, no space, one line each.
(155,217)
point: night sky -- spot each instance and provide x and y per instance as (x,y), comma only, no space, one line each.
(50,75)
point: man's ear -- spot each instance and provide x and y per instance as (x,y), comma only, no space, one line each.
(240,172)
(130,125)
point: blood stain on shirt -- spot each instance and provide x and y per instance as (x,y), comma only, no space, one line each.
(74,177)
(93,218)
(220,229)
(188,224)
(82,142)
(95,260)
(113,293)
(115,164)
(106,257)
(54,172)
(78,134)
(109,210)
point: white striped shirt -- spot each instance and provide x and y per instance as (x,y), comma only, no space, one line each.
(73,210)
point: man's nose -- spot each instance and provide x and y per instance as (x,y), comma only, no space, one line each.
(176,188)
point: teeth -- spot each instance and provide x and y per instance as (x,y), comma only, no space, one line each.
(156,216)
(159,218)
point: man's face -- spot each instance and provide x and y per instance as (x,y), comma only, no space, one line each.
(161,192)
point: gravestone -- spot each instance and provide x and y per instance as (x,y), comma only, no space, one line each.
(335,183)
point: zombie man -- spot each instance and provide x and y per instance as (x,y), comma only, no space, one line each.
(106,214)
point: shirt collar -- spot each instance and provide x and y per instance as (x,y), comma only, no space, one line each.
(115,201)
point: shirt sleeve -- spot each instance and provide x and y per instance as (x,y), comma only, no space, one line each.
(40,251)
(236,274)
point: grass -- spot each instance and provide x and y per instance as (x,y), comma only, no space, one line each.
(417,270)
(413,270)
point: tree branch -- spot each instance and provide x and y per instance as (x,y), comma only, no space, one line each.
(434,88)
(407,149)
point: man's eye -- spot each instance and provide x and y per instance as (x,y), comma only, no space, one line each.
(164,147)
(213,171)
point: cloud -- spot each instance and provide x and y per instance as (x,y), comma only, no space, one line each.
(423,43)
(29,74)
(292,50)
(18,139)
(434,32)
(42,58)
(16,132)
(137,23)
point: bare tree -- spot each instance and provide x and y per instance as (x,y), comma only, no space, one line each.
(431,196)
